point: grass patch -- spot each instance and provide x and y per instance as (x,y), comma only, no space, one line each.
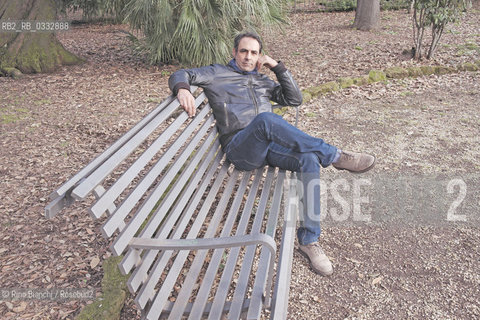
(468,48)
(42,102)
(154,100)
(8,118)
(114,293)
(11,116)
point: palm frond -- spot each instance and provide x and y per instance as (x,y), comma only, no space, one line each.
(198,32)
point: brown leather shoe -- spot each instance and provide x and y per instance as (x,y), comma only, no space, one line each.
(318,259)
(355,162)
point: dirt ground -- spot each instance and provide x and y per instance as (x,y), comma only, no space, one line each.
(53,124)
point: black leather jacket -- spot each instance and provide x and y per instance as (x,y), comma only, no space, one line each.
(237,97)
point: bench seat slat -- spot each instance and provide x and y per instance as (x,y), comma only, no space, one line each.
(203,293)
(247,263)
(261,284)
(228,271)
(146,292)
(167,285)
(214,262)
(282,280)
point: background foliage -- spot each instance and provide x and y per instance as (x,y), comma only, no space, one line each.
(192,32)
(200,32)
(435,14)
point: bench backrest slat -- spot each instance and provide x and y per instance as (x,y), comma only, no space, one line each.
(110,150)
(143,186)
(149,204)
(96,177)
(210,163)
(119,186)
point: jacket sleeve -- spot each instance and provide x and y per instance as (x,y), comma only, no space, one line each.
(286,92)
(184,78)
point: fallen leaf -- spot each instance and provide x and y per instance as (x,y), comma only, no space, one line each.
(354,261)
(377,280)
(94,262)
(21,307)
(9,305)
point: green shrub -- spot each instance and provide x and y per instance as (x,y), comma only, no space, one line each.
(396,73)
(435,15)
(351,5)
(376,76)
(341,5)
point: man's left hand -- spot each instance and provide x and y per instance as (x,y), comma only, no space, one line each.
(266,61)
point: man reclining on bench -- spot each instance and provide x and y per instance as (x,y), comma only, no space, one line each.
(252,136)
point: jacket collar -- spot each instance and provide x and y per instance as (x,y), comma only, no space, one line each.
(234,66)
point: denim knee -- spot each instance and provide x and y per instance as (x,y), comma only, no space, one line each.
(309,163)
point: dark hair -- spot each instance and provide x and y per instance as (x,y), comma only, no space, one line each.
(255,36)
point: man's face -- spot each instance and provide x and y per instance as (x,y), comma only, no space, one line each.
(247,54)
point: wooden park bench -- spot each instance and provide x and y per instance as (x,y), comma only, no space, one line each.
(199,238)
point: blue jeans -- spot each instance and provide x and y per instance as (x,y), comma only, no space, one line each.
(269,139)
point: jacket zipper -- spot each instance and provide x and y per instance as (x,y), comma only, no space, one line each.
(250,87)
(226,113)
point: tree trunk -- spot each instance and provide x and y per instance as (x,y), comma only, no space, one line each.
(31,52)
(367,15)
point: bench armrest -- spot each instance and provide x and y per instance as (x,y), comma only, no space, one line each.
(214,243)
(204,243)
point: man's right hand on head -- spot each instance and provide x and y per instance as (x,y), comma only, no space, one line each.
(187,101)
